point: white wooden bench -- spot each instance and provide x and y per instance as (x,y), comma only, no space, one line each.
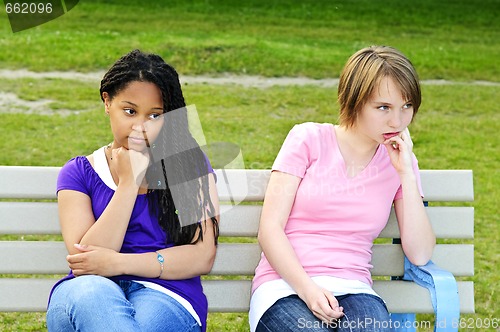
(28,207)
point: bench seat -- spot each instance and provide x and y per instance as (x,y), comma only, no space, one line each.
(30,268)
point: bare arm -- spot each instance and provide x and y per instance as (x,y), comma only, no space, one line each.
(78,224)
(77,219)
(181,262)
(278,202)
(417,237)
(184,261)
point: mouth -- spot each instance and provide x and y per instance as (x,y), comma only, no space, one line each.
(136,140)
(390,135)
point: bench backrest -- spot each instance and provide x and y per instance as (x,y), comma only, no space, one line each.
(28,207)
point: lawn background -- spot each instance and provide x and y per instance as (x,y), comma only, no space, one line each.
(456,128)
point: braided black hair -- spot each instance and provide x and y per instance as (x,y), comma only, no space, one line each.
(178,188)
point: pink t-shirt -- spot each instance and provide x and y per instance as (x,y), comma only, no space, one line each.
(334,219)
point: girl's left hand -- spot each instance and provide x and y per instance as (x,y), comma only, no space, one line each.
(94,260)
(400,149)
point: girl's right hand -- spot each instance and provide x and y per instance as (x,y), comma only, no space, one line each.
(94,260)
(130,165)
(322,304)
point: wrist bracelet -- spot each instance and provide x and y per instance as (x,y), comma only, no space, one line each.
(160,259)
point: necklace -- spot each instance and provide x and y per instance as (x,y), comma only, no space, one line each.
(108,147)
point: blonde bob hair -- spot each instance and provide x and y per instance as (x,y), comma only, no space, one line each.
(362,74)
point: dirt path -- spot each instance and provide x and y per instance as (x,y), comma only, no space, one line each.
(223,79)
(11,103)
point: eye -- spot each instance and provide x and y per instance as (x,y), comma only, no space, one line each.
(155,116)
(129,111)
(408,106)
(383,108)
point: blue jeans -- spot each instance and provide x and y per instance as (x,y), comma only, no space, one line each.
(94,303)
(363,312)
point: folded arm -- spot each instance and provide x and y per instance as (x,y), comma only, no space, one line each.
(181,262)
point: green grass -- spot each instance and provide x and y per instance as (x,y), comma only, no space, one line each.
(445,39)
(457,127)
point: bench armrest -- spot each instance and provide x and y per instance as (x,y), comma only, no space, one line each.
(443,289)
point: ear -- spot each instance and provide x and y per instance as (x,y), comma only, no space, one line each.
(107,102)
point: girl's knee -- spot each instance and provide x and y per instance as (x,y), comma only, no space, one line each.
(58,319)
(93,302)
(86,290)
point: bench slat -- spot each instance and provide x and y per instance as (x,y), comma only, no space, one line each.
(22,294)
(388,260)
(398,295)
(249,185)
(242,185)
(438,185)
(29,218)
(37,257)
(395,293)
(456,258)
(447,185)
(25,295)
(49,257)
(447,223)
(28,182)
(240,220)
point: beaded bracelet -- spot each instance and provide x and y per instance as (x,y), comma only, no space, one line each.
(160,259)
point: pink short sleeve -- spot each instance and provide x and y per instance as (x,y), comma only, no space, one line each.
(294,155)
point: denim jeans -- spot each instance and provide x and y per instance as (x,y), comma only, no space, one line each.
(363,312)
(94,303)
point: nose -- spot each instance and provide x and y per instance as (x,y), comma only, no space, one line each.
(138,125)
(395,119)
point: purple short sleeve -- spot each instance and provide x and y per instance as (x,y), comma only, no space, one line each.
(72,175)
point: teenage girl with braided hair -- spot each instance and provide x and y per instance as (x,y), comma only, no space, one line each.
(330,195)
(139,216)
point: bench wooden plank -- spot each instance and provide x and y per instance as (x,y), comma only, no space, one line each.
(28,182)
(447,185)
(242,185)
(239,220)
(237,185)
(447,222)
(33,257)
(22,294)
(49,257)
(438,185)
(403,295)
(388,260)
(29,218)
(395,293)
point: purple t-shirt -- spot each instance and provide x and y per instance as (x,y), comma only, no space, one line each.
(144,233)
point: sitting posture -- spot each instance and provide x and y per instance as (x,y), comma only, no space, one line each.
(139,216)
(330,194)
